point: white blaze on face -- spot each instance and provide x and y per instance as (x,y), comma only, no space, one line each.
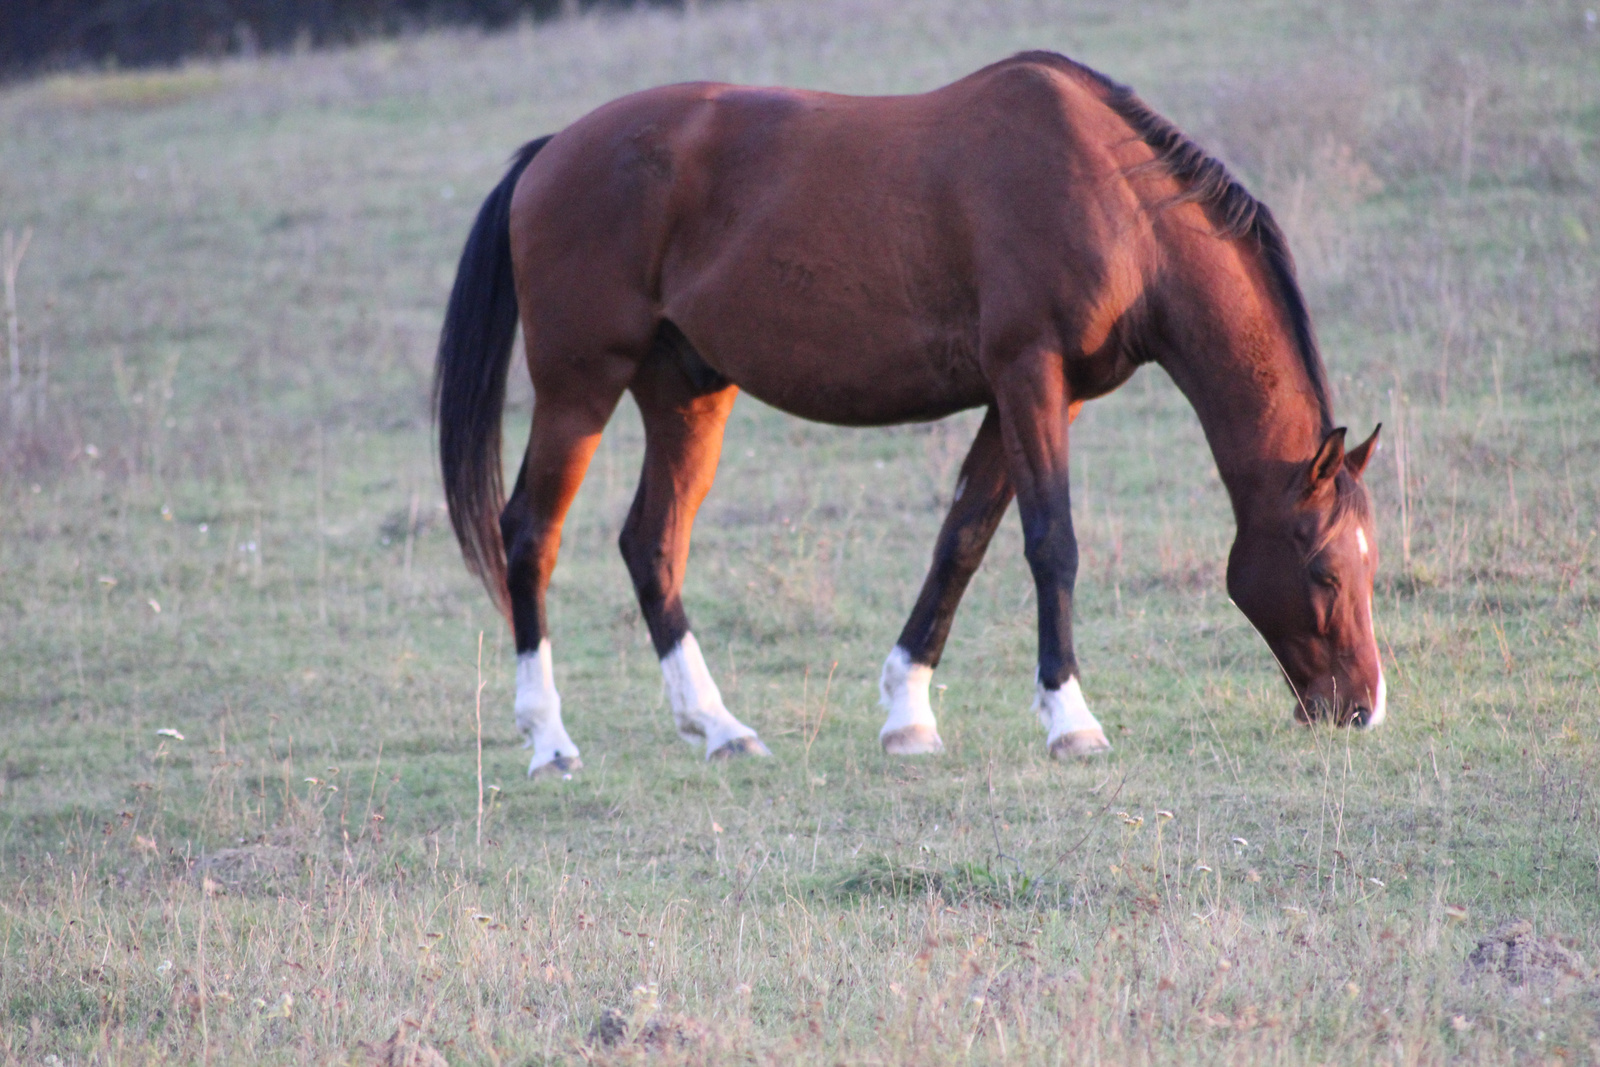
(903,692)
(1380,698)
(1064,711)
(538,708)
(697,707)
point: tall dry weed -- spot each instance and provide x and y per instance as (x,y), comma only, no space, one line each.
(1302,141)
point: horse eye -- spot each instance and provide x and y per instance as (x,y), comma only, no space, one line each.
(1324,577)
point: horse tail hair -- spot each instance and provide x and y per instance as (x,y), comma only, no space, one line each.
(469,382)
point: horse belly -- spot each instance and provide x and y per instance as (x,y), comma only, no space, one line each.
(837,364)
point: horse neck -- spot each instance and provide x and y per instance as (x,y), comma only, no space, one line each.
(1234,357)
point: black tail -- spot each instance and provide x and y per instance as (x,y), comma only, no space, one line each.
(469,382)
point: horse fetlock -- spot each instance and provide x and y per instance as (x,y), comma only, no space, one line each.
(537,701)
(538,714)
(910,729)
(1071,728)
(697,707)
(724,735)
(532,715)
(689,728)
(914,740)
(718,731)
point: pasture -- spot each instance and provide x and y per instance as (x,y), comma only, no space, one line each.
(221,519)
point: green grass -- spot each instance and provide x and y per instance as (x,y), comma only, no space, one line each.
(239,270)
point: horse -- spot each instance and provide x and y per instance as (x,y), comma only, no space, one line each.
(1021,240)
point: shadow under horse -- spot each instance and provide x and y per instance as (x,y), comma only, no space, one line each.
(1021,240)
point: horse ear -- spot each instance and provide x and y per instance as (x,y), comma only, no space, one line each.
(1326,463)
(1355,460)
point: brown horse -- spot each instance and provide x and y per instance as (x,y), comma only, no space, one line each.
(1022,240)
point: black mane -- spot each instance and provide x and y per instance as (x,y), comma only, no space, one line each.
(1233,212)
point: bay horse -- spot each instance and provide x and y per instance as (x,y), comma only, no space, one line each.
(1021,240)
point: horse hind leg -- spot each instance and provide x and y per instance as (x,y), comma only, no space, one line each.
(983,492)
(563,438)
(684,406)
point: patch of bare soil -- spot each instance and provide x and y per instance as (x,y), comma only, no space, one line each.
(663,1031)
(1015,991)
(278,856)
(1513,953)
(398,1052)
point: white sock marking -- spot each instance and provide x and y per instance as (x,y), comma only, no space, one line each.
(697,706)
(538,708)
(1063,711)
(903,692)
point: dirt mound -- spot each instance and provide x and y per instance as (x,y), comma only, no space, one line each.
(1513,953)
(1016,991)
(278,856)
(250,864)
(398,1052)
(659,1032)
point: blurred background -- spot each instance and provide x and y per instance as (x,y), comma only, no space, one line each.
(40,35)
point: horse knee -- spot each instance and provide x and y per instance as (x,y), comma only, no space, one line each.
(1054,555)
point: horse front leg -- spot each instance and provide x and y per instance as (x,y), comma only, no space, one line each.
(1035,412)
(982,494)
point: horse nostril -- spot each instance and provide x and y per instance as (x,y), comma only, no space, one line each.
(1361,718)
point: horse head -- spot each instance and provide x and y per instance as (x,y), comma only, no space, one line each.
(1302,570)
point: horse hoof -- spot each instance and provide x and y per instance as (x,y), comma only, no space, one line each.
(914,740)
(740,746)
(1080,743)
(560,767)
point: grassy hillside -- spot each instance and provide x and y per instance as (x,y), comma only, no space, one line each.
(221,518)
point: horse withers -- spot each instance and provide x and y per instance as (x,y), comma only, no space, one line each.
(1021,240)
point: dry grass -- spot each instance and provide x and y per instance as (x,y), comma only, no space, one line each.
(226,524)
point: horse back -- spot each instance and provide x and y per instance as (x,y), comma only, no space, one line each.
(844,258)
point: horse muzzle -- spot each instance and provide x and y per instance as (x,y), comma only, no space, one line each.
(1327,704)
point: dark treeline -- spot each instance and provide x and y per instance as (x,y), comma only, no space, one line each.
(40,35)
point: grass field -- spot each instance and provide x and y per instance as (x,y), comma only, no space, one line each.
(221,517)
